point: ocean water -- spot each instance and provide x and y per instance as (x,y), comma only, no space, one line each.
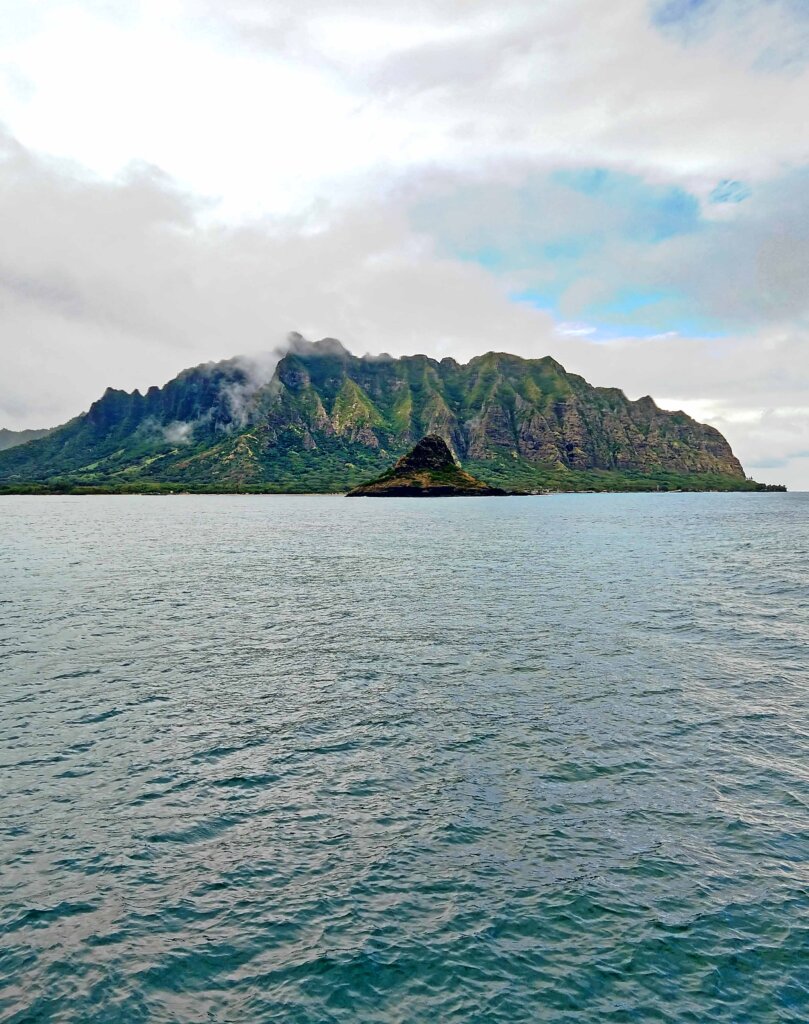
(308,760)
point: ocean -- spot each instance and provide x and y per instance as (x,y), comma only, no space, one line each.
(309,760)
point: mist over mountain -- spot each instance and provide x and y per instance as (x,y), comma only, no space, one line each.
(317,418)
(12,438)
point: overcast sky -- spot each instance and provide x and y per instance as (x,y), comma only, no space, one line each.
(622,185)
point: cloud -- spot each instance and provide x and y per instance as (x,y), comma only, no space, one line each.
(536,82)
(281,104)
(178,432)
(772,35)
(118,283)
(616,249)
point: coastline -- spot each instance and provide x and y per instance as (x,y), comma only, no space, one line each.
(168,491)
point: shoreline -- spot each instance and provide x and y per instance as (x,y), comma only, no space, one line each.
(101,493)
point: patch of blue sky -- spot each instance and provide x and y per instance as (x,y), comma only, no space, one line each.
(628,302)
(552,231)
(630,314)
(648,213)
(729,191)
(783,42)
(558,258)
(600,203)
(490,257)
(573,248)
(510,229)
(677,12)
(652,313)
(672,12)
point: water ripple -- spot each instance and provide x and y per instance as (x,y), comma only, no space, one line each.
(306,760)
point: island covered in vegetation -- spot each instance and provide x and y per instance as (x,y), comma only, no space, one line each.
(323,420)
(428,471)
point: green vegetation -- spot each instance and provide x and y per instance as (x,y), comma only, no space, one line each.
(293,473)
(520,475)
(327,421)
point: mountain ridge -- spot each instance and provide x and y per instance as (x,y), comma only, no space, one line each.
(13,438)
(321,418)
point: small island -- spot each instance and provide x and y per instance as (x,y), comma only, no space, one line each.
(427,471)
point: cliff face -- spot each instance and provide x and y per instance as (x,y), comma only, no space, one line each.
(327,419)
(493,404)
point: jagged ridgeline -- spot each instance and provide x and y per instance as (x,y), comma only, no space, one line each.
(325,420)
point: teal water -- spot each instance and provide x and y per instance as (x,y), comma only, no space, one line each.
(311,760)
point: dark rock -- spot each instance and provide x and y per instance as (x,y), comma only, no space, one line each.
(427,471)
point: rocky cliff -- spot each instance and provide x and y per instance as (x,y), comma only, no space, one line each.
(325,419)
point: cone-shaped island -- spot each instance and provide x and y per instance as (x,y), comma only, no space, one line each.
(427,471)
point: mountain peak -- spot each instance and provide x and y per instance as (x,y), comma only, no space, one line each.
(427,471)
(300,346)
(431,452)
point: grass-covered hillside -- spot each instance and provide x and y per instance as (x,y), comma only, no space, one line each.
(325,420)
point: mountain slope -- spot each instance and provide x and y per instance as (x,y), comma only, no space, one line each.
(12,438)
(324,419)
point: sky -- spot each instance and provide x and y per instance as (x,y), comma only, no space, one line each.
(623,186)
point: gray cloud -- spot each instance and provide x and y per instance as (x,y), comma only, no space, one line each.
(689,96)
(741,268)
(178,432)
(118,284)
(144,290)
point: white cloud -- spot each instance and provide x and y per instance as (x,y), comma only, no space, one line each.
(569,80)
(118,284)
(265,107)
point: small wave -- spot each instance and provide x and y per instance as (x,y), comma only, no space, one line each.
(201,832)
(103,716)
(246,781)
(38,917)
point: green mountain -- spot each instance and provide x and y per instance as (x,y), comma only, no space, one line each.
(11,438)
(326,420)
